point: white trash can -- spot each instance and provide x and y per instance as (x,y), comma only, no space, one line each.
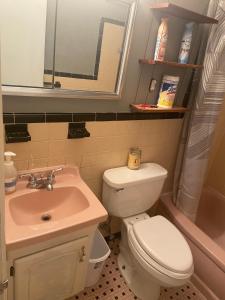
(99,253)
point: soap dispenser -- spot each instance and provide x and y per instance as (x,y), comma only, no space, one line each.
(10,173)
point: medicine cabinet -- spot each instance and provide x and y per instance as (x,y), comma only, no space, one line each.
(65,48)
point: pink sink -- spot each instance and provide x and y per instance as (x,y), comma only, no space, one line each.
(36,215)
(44,206)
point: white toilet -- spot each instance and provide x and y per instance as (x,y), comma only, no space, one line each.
(153,252)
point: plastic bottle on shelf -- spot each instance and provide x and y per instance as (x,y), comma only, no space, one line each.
(186,43)
(161,42)
(10,173)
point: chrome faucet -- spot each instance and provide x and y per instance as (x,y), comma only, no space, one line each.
(51,178)
(41,182)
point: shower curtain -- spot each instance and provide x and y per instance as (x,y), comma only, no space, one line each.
(198,132)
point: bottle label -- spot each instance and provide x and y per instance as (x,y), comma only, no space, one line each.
(161,42)
(167,93)
(186,44)
(134,161)
(10,185)
(161,47)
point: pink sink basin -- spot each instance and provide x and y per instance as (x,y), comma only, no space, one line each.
(36,215)
(44,206)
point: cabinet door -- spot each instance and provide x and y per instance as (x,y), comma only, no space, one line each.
(53,274)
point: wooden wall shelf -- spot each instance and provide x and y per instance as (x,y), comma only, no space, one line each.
(169,63)
(180,12)
(139,108)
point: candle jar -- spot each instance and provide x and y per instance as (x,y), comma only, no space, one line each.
(134,158)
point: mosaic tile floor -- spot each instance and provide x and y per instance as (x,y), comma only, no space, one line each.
(112,286)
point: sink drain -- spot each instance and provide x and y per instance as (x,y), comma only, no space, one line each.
(46,217)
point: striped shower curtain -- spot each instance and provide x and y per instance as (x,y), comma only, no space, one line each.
(193,156)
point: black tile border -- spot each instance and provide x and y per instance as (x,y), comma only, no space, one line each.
(84,117)
(24,118)
(125,116)
(29,118)
(106,116)
(59,117)
(8,118)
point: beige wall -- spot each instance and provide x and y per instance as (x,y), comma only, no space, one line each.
(216,167)
(106,148)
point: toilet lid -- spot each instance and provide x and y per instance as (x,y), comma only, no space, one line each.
(163,242)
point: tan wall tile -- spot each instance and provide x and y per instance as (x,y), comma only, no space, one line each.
(99,129)
(96,186)
(91,159)
(56,161)
(126,142)
(128,127)
(107,148)
(57,148)
(75,147)
(149,153)
(22,165)
(57,131)
(124,157)
(38,163)
(74,160)
(101,144)
(38,149)
(38,132)
(92,172)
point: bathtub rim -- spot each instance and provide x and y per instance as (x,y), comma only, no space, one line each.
(201,239)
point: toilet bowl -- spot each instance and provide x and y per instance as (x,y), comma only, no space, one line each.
(153,253)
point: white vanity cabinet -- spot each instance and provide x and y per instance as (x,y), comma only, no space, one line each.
(48,259)
(53,274)
(50,269)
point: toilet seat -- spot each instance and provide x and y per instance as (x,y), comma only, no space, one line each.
(160,248)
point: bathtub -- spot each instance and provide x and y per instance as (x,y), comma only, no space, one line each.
(206,242)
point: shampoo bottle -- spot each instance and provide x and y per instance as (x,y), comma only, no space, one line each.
(10,173)
(186,43)
(161,42)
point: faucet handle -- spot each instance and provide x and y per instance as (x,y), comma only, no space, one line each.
(32,180)
(56,171)
(30,176)
(51,175)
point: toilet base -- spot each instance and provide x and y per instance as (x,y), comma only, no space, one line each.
(141,285)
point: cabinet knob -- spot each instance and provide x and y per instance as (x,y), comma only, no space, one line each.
(82,254)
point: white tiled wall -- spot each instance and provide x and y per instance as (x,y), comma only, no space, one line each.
(106,148)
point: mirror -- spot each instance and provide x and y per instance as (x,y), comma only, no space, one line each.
(65,45)
(23,29)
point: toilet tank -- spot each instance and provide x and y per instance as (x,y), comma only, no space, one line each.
(130,192)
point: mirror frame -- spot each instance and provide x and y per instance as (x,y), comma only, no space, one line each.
(81,94)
